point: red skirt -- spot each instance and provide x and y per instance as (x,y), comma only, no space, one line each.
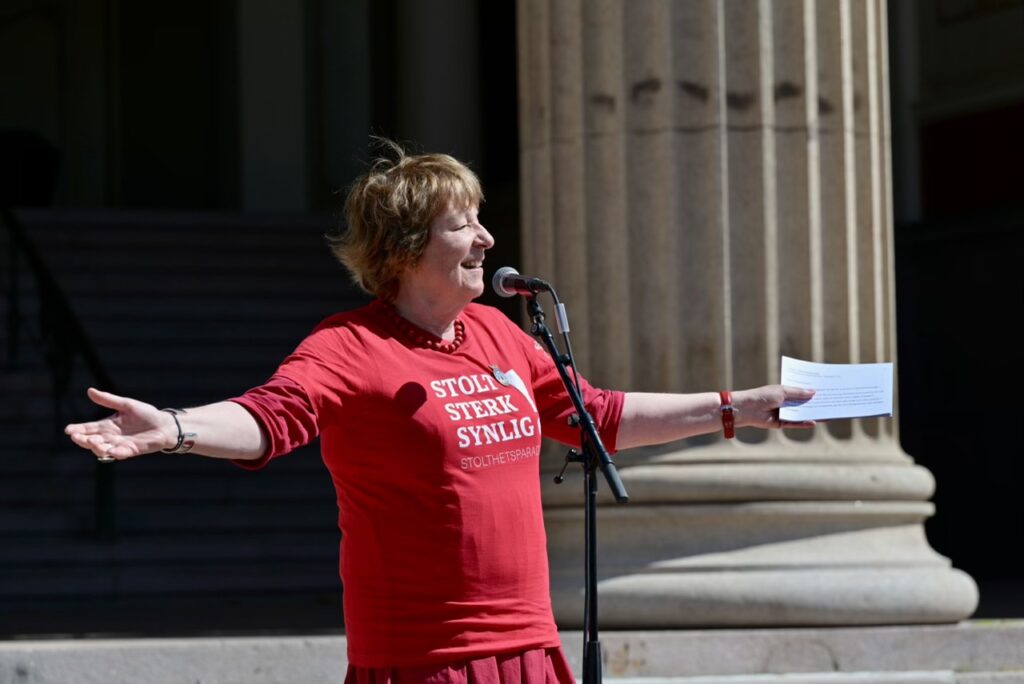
(536,666)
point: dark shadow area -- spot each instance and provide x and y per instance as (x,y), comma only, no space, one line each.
(189,300)
(960,295)
(182,616)
(28,168)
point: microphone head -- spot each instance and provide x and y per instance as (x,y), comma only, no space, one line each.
(499,276)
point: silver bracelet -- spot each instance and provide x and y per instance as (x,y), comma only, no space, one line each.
(186,440)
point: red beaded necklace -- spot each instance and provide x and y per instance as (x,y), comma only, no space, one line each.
(420,337)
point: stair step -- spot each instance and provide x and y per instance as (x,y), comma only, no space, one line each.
(202,386)
(64,460)
(130,358)
(161,487)
(183,309)
(274,264)
(166,547)
(227,611)
(170,226)
(94,284)
(39,582)
(147,331)
(205,311)
(157,243)
(30,440)
(159,561)
(18,442)
(137,517)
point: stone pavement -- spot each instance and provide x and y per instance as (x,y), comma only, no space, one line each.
(990,652)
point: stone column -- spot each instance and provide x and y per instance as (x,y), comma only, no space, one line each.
(707,184)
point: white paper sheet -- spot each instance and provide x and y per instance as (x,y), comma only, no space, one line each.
(842,390)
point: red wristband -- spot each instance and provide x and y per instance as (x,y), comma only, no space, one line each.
(728,414)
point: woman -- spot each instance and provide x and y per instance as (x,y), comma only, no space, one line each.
(430,410)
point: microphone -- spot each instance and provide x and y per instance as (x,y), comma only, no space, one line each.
(507,283)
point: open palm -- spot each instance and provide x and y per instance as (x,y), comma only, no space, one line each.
(136,428)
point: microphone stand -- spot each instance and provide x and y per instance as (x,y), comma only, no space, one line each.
(593,456)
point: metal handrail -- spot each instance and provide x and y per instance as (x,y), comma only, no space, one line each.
(64,338)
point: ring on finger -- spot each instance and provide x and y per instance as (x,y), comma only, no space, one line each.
(105,457)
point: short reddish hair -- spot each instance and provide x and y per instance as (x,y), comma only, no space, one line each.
(389,210)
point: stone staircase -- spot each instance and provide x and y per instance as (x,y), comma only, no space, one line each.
(183,309)
(986,652)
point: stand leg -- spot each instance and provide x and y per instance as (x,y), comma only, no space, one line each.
(591,642)
(592,662)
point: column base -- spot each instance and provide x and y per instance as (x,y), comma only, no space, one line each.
(773,598)
(783,563)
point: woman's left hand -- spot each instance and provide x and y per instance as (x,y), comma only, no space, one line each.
(759,407)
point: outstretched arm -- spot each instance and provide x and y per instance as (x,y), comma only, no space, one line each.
(658,418)
(223,430)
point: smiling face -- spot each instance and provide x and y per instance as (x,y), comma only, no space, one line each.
(390,211)
(450,273)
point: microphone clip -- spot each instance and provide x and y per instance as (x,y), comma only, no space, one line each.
(571,456)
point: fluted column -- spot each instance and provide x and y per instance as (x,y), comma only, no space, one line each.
(721,169)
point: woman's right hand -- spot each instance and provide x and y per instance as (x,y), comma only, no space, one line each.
(136,428)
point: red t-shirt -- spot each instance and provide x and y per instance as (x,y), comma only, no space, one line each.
(434,453)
